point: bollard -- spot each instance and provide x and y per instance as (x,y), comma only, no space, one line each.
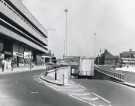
(55,74)
(63,79)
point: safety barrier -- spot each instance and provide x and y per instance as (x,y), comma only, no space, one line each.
(117,74)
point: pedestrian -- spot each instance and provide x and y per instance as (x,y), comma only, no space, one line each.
(3,65)
(12,65)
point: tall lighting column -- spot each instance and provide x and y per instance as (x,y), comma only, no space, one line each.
(94,44)
(66,33)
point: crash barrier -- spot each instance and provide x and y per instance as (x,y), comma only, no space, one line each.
(117,74)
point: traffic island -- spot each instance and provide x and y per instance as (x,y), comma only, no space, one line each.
(49,79)
(75,91)
(59,76)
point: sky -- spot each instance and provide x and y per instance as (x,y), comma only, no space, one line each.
(113,21)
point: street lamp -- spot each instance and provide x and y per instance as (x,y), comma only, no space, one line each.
(94,44)
(66,32)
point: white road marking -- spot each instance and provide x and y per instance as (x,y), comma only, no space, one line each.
(78,92)
(82,94)
(93,99)
(34,92)
(102,98)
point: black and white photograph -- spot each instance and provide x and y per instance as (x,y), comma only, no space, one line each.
(67,53)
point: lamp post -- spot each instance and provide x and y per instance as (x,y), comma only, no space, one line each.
(66,32)
(94,44)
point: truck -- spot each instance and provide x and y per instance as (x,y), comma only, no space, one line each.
(86,67)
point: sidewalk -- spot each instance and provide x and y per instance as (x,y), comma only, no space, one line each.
(23,69)
(129,84)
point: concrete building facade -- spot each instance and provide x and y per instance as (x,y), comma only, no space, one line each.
(22,37)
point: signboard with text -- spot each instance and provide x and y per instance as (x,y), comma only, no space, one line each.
(18,54)
(27,55)
(2,56)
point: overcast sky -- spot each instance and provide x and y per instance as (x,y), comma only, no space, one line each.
(113,21)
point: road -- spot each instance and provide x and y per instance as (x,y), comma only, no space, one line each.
(20,89)
(117,94)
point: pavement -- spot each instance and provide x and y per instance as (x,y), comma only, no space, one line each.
(23,69)
(128,84)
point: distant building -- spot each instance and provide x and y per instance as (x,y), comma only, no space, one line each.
(128,57)
(106,58)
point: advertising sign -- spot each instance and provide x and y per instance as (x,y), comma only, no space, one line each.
(18,54)
(27,55)
(2,56)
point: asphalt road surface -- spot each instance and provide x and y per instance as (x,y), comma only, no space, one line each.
(117,94)
(20,89)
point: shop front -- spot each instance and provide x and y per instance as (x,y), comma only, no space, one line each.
(5,53)
(28,57)
(1,53)
(18,55)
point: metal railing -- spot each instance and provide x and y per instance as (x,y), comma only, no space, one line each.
(119,75)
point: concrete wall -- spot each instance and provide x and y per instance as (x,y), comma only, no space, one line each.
(63,74)
(19,4)
(18,37)
(16,17)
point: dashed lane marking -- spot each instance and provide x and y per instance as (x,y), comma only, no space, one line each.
(34,92)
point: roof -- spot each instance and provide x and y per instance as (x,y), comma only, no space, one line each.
(108,55)
(127,54)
